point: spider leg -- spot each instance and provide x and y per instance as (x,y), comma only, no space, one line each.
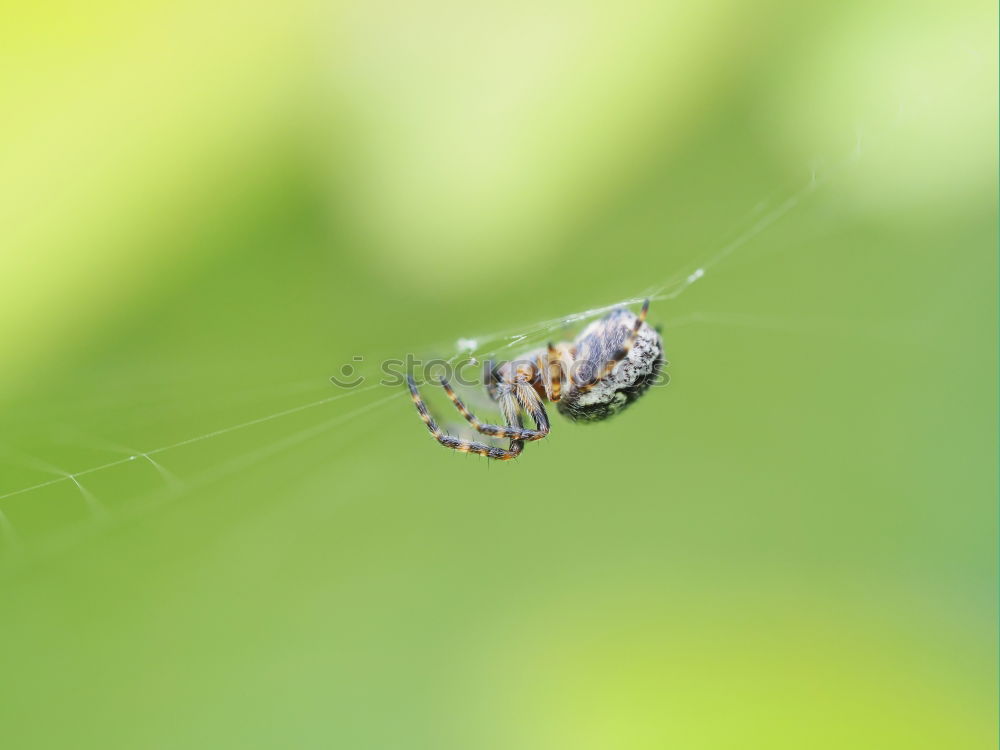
(619,355)
(551,365)
(532,404)
(555,384)
(555,365)
(459,444)
(509,431)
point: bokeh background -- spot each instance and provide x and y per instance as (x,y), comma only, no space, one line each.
(209,208)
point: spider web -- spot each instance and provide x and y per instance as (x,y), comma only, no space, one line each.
(352,405)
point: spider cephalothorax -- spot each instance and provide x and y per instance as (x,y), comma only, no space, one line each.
(609,365)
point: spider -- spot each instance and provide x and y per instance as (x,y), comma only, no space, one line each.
(609,365)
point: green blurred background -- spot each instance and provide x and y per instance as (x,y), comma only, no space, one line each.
(207,209)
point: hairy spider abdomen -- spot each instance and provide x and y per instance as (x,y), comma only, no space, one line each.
(600,342)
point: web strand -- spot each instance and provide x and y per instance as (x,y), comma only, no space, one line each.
(65,476)
(151,500)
